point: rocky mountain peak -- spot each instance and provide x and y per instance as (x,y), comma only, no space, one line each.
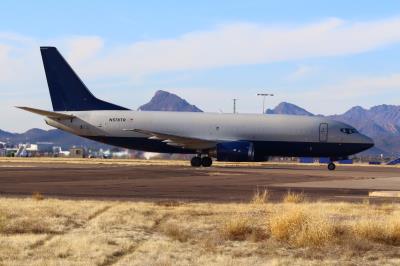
(289,109)
(166,101)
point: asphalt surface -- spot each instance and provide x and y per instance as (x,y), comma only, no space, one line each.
(177,182)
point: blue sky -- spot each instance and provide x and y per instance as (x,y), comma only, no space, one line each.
(325,56)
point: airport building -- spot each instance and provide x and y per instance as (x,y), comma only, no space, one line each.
(37,149)
(2,149)
(77,153)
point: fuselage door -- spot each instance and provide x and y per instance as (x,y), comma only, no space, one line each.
(323,132)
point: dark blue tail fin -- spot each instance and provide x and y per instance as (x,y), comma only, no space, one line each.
(67,91)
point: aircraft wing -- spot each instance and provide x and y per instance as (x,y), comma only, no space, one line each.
(49,114)
(178,141)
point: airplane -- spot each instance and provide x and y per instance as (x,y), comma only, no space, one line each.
(225,137)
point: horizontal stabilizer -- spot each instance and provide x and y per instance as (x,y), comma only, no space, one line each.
(46,113)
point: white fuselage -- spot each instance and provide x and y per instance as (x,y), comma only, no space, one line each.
(101,125)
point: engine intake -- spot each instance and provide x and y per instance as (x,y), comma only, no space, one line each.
(235,151)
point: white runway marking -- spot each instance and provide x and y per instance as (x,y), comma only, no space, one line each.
(385,183)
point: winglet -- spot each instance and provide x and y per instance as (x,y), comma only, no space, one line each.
(46,113)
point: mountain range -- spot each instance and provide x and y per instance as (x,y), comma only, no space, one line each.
(382,123)
(60,138)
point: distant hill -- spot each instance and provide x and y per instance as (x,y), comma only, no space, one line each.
(165,101)
(4,135)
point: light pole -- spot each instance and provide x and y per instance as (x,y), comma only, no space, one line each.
(234,105)
(264,95)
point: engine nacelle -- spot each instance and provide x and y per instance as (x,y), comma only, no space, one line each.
(235,151)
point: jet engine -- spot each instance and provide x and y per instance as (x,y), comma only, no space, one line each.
(235,151)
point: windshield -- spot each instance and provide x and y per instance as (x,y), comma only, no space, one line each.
(349,130)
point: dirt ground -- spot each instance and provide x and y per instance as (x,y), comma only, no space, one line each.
(176,180)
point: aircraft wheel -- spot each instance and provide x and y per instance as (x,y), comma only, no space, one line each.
(206,161)
(196,161)
(331,166)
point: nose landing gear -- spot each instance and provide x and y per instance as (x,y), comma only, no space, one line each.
(331,166)
(198,161)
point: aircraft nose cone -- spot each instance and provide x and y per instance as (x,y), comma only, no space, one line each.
(369,143)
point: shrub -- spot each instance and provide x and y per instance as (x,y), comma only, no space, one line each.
(394,230)
(285,225)
(300,228)
(368,229)
(385,231)
(239,228)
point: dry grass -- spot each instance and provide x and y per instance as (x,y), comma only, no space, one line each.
(261,196)
(302,228)
(2,221)
(64,232)
(237,228)
(292,197)
(378,229)
(175,231)
(168,203)
(37,196)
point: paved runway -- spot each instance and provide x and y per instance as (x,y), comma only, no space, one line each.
(180,182)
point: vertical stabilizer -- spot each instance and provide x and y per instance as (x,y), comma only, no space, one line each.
(67,91)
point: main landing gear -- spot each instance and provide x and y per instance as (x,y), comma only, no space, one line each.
(331,166)
(198,161)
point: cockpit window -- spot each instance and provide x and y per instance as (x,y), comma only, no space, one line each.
(348,130)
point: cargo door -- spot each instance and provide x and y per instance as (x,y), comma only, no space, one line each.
(323,132)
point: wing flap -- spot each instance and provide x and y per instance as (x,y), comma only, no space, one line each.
(178,141)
